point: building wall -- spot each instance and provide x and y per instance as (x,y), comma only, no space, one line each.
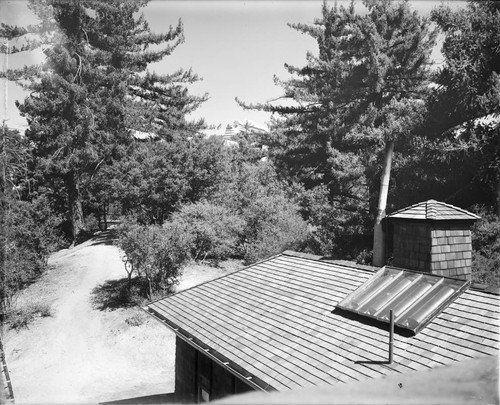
(185,372)
(441,248)
(197,377)
(451,252)
(412,245)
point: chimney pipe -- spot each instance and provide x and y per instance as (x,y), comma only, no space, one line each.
(391,336)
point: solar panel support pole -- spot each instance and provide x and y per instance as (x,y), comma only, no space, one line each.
(391,336)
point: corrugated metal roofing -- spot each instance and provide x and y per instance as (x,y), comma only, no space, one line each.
(276,320)
(434,210)
(414,297)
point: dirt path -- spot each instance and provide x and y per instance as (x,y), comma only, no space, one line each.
(89,354)
(82,354)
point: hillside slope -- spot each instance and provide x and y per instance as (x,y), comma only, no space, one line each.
(84,353)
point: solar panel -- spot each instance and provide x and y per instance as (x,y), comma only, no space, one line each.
(415,298)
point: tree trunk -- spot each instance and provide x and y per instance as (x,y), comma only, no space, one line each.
(3,231)
(78,228)
(105,215)
(498,196)
(150,289)
(378,233)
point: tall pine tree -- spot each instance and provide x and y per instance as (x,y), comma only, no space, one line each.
(465,107)
(91,92)
(350,104)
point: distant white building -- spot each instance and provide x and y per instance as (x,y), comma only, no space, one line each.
(237,127)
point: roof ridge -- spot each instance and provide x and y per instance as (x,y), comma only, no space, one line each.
(354,265)
(432,208)
(302,255)
(428,211)
(324,259)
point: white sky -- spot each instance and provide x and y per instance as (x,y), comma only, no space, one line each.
(235,46)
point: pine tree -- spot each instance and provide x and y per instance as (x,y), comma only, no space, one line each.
(89,93)
(350,104)
(465,107)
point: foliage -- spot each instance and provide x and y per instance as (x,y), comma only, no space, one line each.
(272,225)
(214,231)
(89,95)
(155,253)
(136,319)
(465,106)
(158,177)
(470,74)
(246,180)
(360,93)
(486,249)
(30,231)
(338,230)
(28,225)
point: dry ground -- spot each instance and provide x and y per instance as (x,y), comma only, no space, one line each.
(88,353)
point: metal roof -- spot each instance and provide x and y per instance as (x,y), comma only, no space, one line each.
(434,210)
(275,323)
(415,298)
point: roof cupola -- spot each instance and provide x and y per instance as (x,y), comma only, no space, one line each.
(433,237)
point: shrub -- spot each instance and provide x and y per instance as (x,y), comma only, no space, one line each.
(158,177)
(42,309)
(339,227)
(92,224)
(213,231)
(27,236)
(136,320)
(273,224)
(486,249)
(130,245)
(155,253)
(20,319)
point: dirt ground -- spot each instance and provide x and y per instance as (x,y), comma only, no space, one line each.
(88,353)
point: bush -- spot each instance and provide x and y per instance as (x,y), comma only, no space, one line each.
(273,224)
(158,177)
(339,228)
(213,231)
(20,319)
(486,249)
(136,320)
(42,309)
(28,236)
(155,253)
(92,224)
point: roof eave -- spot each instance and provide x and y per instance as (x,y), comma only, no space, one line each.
(239,372)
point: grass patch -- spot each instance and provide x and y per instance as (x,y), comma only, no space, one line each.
(136,320)
(20,318)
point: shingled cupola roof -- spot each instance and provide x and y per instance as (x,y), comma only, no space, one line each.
(433,237)
(434,210)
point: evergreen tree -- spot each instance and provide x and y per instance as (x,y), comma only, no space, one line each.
(353,102)
(90,92)
(465,106)
(28,231)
